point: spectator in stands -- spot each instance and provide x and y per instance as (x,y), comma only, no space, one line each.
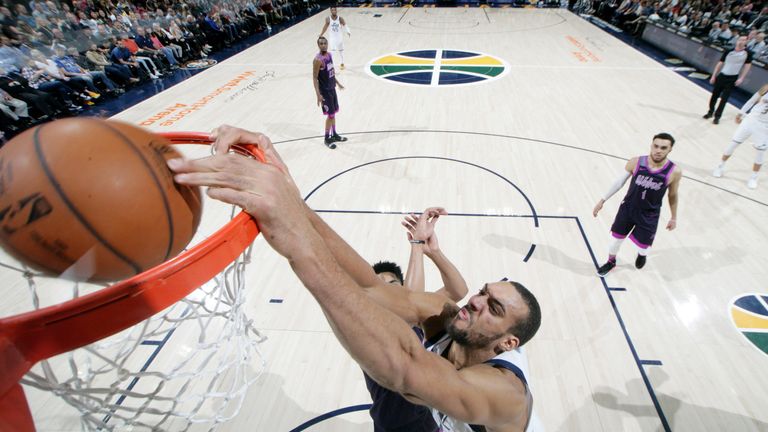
(73,60)
(11,57)
(736,34)
(82,85)
(146,62)
(759,20)
(714,32)
(163,38)
(212,31)
(41,80)
(189,43)
(23,16)
(147,45)
(17,86)
(702,29)
(122,55)
(725,35)
(757,45)
(6,17)
(98,61)
(15,110)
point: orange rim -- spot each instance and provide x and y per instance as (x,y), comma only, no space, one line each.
(28,338)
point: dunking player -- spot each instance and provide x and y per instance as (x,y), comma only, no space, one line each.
(325,83)
(640,209)
(335,39)
(471,372)
(756,125)
(390,411)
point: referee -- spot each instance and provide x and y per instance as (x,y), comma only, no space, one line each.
(729,72)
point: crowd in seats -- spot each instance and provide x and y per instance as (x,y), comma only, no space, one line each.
(58,57)
(718,23)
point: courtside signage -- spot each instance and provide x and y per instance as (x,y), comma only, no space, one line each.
(437,68)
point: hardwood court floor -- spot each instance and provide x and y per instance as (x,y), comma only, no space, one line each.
(544,139)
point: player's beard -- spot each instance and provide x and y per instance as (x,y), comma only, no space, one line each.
(466,337)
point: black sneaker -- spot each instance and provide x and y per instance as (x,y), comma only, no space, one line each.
(716,120)
(339,138)
(329,142)
(605,268)
(707,115)
(640,261)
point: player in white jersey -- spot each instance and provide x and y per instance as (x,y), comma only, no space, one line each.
(755,125)
(335,39)
(466,381)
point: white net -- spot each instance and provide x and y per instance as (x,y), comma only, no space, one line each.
(189,364)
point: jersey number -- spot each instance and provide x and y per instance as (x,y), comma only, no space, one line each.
(642,197)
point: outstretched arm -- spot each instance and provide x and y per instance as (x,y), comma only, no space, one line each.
(414,276)
(349,260)
(325,26)
(394,358)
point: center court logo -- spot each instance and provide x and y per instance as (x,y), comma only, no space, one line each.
(437,67)
(749,313)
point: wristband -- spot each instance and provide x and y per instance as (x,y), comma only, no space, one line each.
(417,241)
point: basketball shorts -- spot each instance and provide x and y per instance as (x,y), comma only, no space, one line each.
(640,227)
(330,102)
(754,128)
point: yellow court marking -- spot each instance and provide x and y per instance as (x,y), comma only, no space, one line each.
(399,60)
(474,61)
(745,320)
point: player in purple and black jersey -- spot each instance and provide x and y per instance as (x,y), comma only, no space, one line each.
(325,82)
(638,215)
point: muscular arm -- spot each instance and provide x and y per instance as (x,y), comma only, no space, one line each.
(394,358)
(325,26)
(348,259)
(454,285)
(414,276)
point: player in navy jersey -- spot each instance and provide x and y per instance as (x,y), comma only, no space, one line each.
(390,411)
(325,83)
(638,215)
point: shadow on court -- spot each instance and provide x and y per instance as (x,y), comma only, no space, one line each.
(679,414)
(543,252)
(668,264)
(277,411)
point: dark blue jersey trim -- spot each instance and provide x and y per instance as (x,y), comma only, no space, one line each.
(510,367)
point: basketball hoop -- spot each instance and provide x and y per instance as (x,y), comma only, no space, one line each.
(100,333)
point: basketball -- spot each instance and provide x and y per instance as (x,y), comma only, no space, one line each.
(90,199)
